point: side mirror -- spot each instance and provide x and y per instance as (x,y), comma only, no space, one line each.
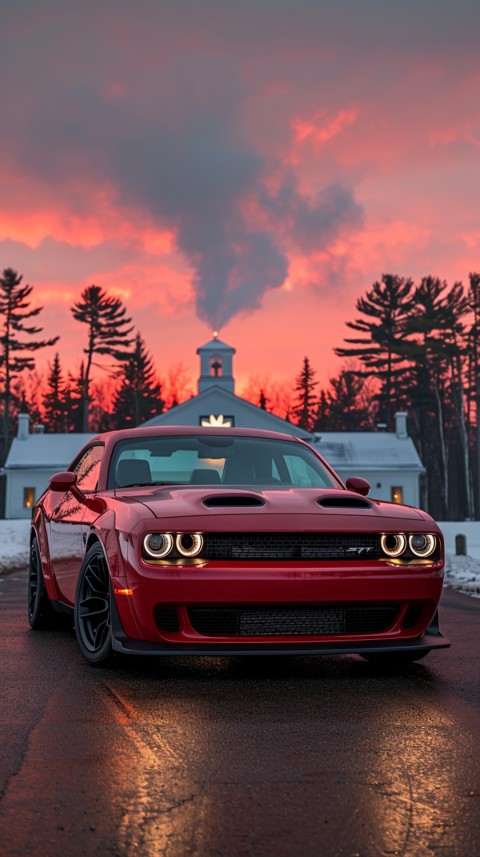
(63,481)
(358,484)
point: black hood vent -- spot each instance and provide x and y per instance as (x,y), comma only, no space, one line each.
(344,503)
(233,500)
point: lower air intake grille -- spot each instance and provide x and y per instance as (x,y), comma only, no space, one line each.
(166,619)
(291,621)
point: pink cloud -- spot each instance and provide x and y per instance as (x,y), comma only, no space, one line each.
(265,166)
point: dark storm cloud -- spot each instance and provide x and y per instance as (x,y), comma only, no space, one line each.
(312,223)
(191,166)
(175,147)
(166,129)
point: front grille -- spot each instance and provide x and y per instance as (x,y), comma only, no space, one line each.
(292,621)
(296,546)
(412,616)
(167,619)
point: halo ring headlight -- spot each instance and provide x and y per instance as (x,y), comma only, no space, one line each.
(158,545)
(189,544)
(393,544)
(422,544)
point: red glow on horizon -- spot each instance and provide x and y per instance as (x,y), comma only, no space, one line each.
(320,104)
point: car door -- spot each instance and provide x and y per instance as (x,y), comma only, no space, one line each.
(66,539)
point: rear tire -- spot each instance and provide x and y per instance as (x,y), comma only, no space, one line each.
(93,627)
(41,614)
(395,659)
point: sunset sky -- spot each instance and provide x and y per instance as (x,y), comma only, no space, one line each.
(250,165)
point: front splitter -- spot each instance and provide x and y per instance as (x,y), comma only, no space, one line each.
(432,639)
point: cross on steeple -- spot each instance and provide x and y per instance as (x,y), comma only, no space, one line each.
(216,366)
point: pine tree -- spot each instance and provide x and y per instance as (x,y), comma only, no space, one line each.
(107,333)
(262,400)
(322,416)
(15,309)
(456,306)
(26,395)
(304,405)
(474,370)
(386,306)
(73,400)
(54,415)
(346,409)
(139,396)
(434,346)
(426,381)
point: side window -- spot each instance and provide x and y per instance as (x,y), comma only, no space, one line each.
(88,468)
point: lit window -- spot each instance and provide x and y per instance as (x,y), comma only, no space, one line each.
(28,498)
(397,493)
(217,420)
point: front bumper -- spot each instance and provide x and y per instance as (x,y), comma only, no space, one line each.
(269,584)
(128,646)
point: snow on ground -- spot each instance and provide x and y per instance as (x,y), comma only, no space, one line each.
(13,544)
(462,572)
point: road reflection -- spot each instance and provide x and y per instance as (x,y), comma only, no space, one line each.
(413,779)
(307,743)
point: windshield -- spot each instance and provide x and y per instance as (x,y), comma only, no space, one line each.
(216,460)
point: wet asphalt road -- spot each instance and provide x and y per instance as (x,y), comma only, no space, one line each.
(319,757)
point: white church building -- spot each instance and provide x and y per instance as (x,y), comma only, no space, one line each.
(388,460)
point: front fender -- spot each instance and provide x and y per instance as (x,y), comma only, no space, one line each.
(39,531)
(103,530)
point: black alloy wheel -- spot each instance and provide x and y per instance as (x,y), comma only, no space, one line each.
(41,614)
(92,608)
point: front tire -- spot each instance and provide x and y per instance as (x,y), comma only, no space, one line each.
(93,628)
(41,614)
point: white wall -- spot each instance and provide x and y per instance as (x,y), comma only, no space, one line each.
(383,481)
(17,480)
(469,529)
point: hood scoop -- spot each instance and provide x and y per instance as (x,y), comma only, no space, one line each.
(232,500)
(344,503)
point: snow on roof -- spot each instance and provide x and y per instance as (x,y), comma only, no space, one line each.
(224,402)
(52,451)
(375,450)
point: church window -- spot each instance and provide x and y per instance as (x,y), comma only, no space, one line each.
(217,420)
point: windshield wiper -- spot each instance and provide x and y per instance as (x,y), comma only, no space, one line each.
(148,484)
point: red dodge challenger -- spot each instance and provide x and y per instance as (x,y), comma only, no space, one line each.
(230,541)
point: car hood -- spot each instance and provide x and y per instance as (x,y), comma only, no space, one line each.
(273,509)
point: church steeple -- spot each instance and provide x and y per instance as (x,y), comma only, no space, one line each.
(216,369)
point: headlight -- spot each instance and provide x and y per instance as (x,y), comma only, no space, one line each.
(422,544)
(189,544)
(393,544)
(158,545)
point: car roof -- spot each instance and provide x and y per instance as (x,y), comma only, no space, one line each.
(169,431)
